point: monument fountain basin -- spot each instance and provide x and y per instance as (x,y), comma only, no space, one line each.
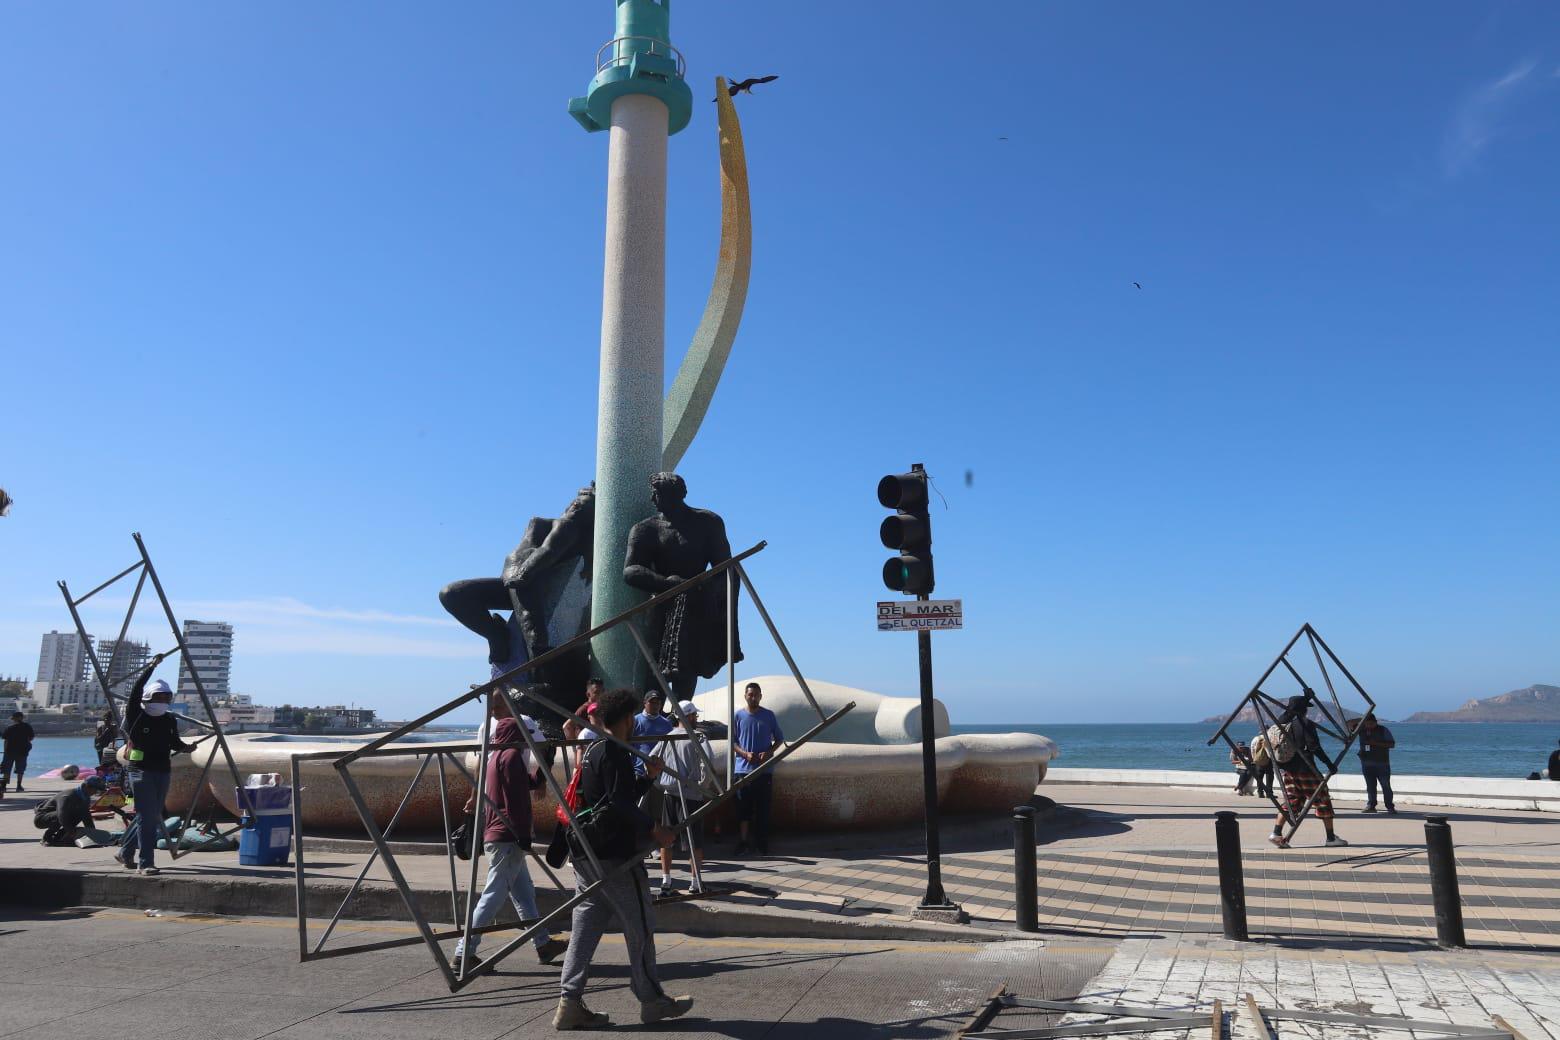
(862,773)
(326,805)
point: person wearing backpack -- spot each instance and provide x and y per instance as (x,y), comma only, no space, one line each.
(1295,745)
(619,832)
(512,775)
(1263,773)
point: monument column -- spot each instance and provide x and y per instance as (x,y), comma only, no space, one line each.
(638,94)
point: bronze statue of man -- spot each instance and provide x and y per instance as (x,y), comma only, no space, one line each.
(537,572)
(666,550)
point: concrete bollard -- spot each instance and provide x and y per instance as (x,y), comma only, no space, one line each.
(1443,883)
(1026,901)
(1232,880)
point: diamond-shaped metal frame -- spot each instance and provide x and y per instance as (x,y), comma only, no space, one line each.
(143,567)
(1334,722)
(502,687)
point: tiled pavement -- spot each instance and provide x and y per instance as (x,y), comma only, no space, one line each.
(1375,893)
(1464,988)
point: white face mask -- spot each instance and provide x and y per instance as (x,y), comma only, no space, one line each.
(155,708)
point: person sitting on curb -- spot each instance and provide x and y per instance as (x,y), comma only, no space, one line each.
(1296,736)
(511,777)
(619,831)
(68,815)
(1238,758)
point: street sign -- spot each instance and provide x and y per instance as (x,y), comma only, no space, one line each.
(920,615)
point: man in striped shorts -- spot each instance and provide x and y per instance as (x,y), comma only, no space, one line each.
(1301,777)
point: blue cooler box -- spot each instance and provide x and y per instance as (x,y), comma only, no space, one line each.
(266,840)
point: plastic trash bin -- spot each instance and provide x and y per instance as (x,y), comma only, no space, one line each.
(266,838)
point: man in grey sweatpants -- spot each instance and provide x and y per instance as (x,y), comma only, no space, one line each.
(609,786)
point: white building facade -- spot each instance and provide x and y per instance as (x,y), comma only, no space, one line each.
(210,645)
(63,657)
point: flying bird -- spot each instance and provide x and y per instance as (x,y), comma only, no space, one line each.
(1137,284)
(1002,138)
(969,478)
(5,502)
(746,86)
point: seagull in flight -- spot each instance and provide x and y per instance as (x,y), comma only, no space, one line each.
(746,86)
(1138,284)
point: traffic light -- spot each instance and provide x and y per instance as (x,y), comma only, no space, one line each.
(909,530)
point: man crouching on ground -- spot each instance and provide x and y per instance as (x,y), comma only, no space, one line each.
(619,831)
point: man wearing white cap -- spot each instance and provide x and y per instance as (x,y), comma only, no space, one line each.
(684,799)
(152,739)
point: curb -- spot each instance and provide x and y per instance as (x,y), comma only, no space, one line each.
(265,897)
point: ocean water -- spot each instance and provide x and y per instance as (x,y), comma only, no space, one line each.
(1496,749)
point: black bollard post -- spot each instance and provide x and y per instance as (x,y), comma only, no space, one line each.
(1232,882)
(1443,883)
(1026,902)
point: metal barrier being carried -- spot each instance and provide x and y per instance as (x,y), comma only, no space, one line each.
(1268,710)
(457,976)
(190,815)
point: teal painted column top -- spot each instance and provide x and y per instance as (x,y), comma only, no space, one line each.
(640,59)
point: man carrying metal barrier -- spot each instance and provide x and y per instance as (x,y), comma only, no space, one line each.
(609,817)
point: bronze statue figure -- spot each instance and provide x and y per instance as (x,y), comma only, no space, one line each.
(548,577)
(666,550)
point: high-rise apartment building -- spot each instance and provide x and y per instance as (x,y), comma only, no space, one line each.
(63,657)
(122,662)
(210,645)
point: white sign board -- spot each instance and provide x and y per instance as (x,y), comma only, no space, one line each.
(920,615)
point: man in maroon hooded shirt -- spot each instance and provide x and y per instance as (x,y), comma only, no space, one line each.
(506,836)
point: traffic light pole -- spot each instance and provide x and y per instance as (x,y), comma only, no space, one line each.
(911,573)
(935,899)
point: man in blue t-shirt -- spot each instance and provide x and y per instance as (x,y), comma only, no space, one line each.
(757,734)
(652,722)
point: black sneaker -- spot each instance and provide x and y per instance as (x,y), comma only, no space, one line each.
(1372,808)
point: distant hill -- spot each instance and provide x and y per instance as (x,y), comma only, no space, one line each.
(1536,703)
(1249,714)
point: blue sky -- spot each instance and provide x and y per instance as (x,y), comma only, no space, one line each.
(310,296)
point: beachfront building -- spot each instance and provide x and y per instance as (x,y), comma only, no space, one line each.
(210,645)
(57,694)
(63,657)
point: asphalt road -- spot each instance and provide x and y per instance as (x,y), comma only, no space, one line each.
(91,974)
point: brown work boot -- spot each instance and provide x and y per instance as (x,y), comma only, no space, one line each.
(573,1014)
(551,950)
(664,1007)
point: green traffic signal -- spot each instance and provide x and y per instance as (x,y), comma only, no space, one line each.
(909,530)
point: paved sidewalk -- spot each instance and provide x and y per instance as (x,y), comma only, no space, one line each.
(1112,863)
(98,975)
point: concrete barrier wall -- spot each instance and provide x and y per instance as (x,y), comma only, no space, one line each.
(1463,792)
